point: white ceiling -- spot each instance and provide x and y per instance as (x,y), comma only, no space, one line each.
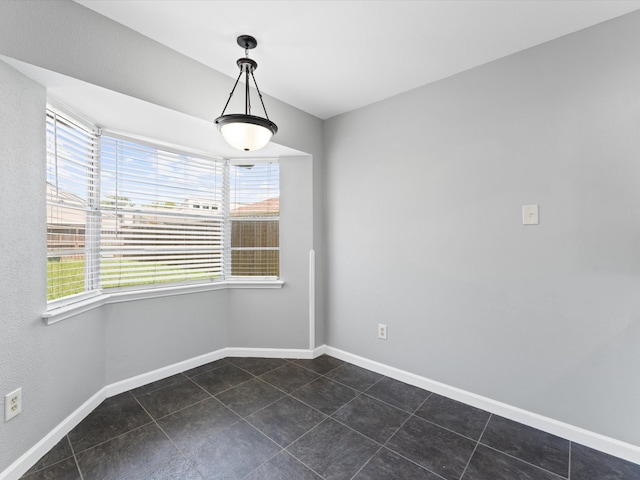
(329,57)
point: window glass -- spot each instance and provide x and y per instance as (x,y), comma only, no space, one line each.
(133,215)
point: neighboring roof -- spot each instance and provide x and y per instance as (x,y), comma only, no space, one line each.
(268,206)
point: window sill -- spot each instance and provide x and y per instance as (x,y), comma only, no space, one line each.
(60,313)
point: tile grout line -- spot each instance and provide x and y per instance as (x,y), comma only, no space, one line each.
(255,377)
(29,472)
(75,458)
(358,393)
(158,388)
(286,394)
(367,462)
(347,385)
(289,394)
(209,370)
(330,416)
(380,444)
(221,391)
(117,436)
(476,446)
(241,418)
(170,439)
(410,413)
(282,449)
(521,460)
(244,419)
(286,449)
(402,425)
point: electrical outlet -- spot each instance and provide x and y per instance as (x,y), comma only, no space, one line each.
(12,404)
(382,331)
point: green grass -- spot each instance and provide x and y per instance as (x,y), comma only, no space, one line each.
(66,277)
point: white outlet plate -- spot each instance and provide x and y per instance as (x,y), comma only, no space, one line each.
(12,404)
(382,331)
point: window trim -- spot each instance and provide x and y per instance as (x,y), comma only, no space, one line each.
(70,306)
(62,312)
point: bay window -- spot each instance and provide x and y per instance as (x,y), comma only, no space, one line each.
(123,214)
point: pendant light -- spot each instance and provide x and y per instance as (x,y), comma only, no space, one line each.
(242,130)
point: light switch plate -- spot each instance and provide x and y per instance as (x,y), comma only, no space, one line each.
(530,214)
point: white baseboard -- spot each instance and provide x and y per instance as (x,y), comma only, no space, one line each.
(268,352)
(321,350)
(28,459)
(31,456)
(164,372)
(590,439)
(143,379)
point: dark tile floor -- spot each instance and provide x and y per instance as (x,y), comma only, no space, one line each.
(262,419)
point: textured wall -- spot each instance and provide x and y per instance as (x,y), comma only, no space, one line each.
(424,230)
(280,318)
(61,366)
(58,367)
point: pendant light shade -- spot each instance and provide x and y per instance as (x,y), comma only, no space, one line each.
(246,132)
(242,130)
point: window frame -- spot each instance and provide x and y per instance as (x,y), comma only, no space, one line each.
(64,307)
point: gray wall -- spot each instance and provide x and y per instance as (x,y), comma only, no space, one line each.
(144,335)
(424,231)
(61,366)
(542,317)
(264,318)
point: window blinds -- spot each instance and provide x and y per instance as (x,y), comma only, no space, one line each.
(255,213)
(72,153)
(162,216)
(123,214)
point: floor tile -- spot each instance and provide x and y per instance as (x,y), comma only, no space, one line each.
(142,453)
(371,417)
(463,419)
(386,465)
(434,448)
(488,464)
(322,364)
(249,397)
(286,420)
(207,367)
(283,467)
(587,464)
(231,453)
(333,450)
(171,398)
(354,376)
(113,417)
(289,377)
(158,384)
(65,469)
(533,446)
(391,431)
(325,395)
(193,425)
(221,379)
(61,451)
(398,394)
(257,366)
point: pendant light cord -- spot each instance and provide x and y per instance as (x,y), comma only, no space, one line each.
(260,95)
(231,94)
(247,98)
